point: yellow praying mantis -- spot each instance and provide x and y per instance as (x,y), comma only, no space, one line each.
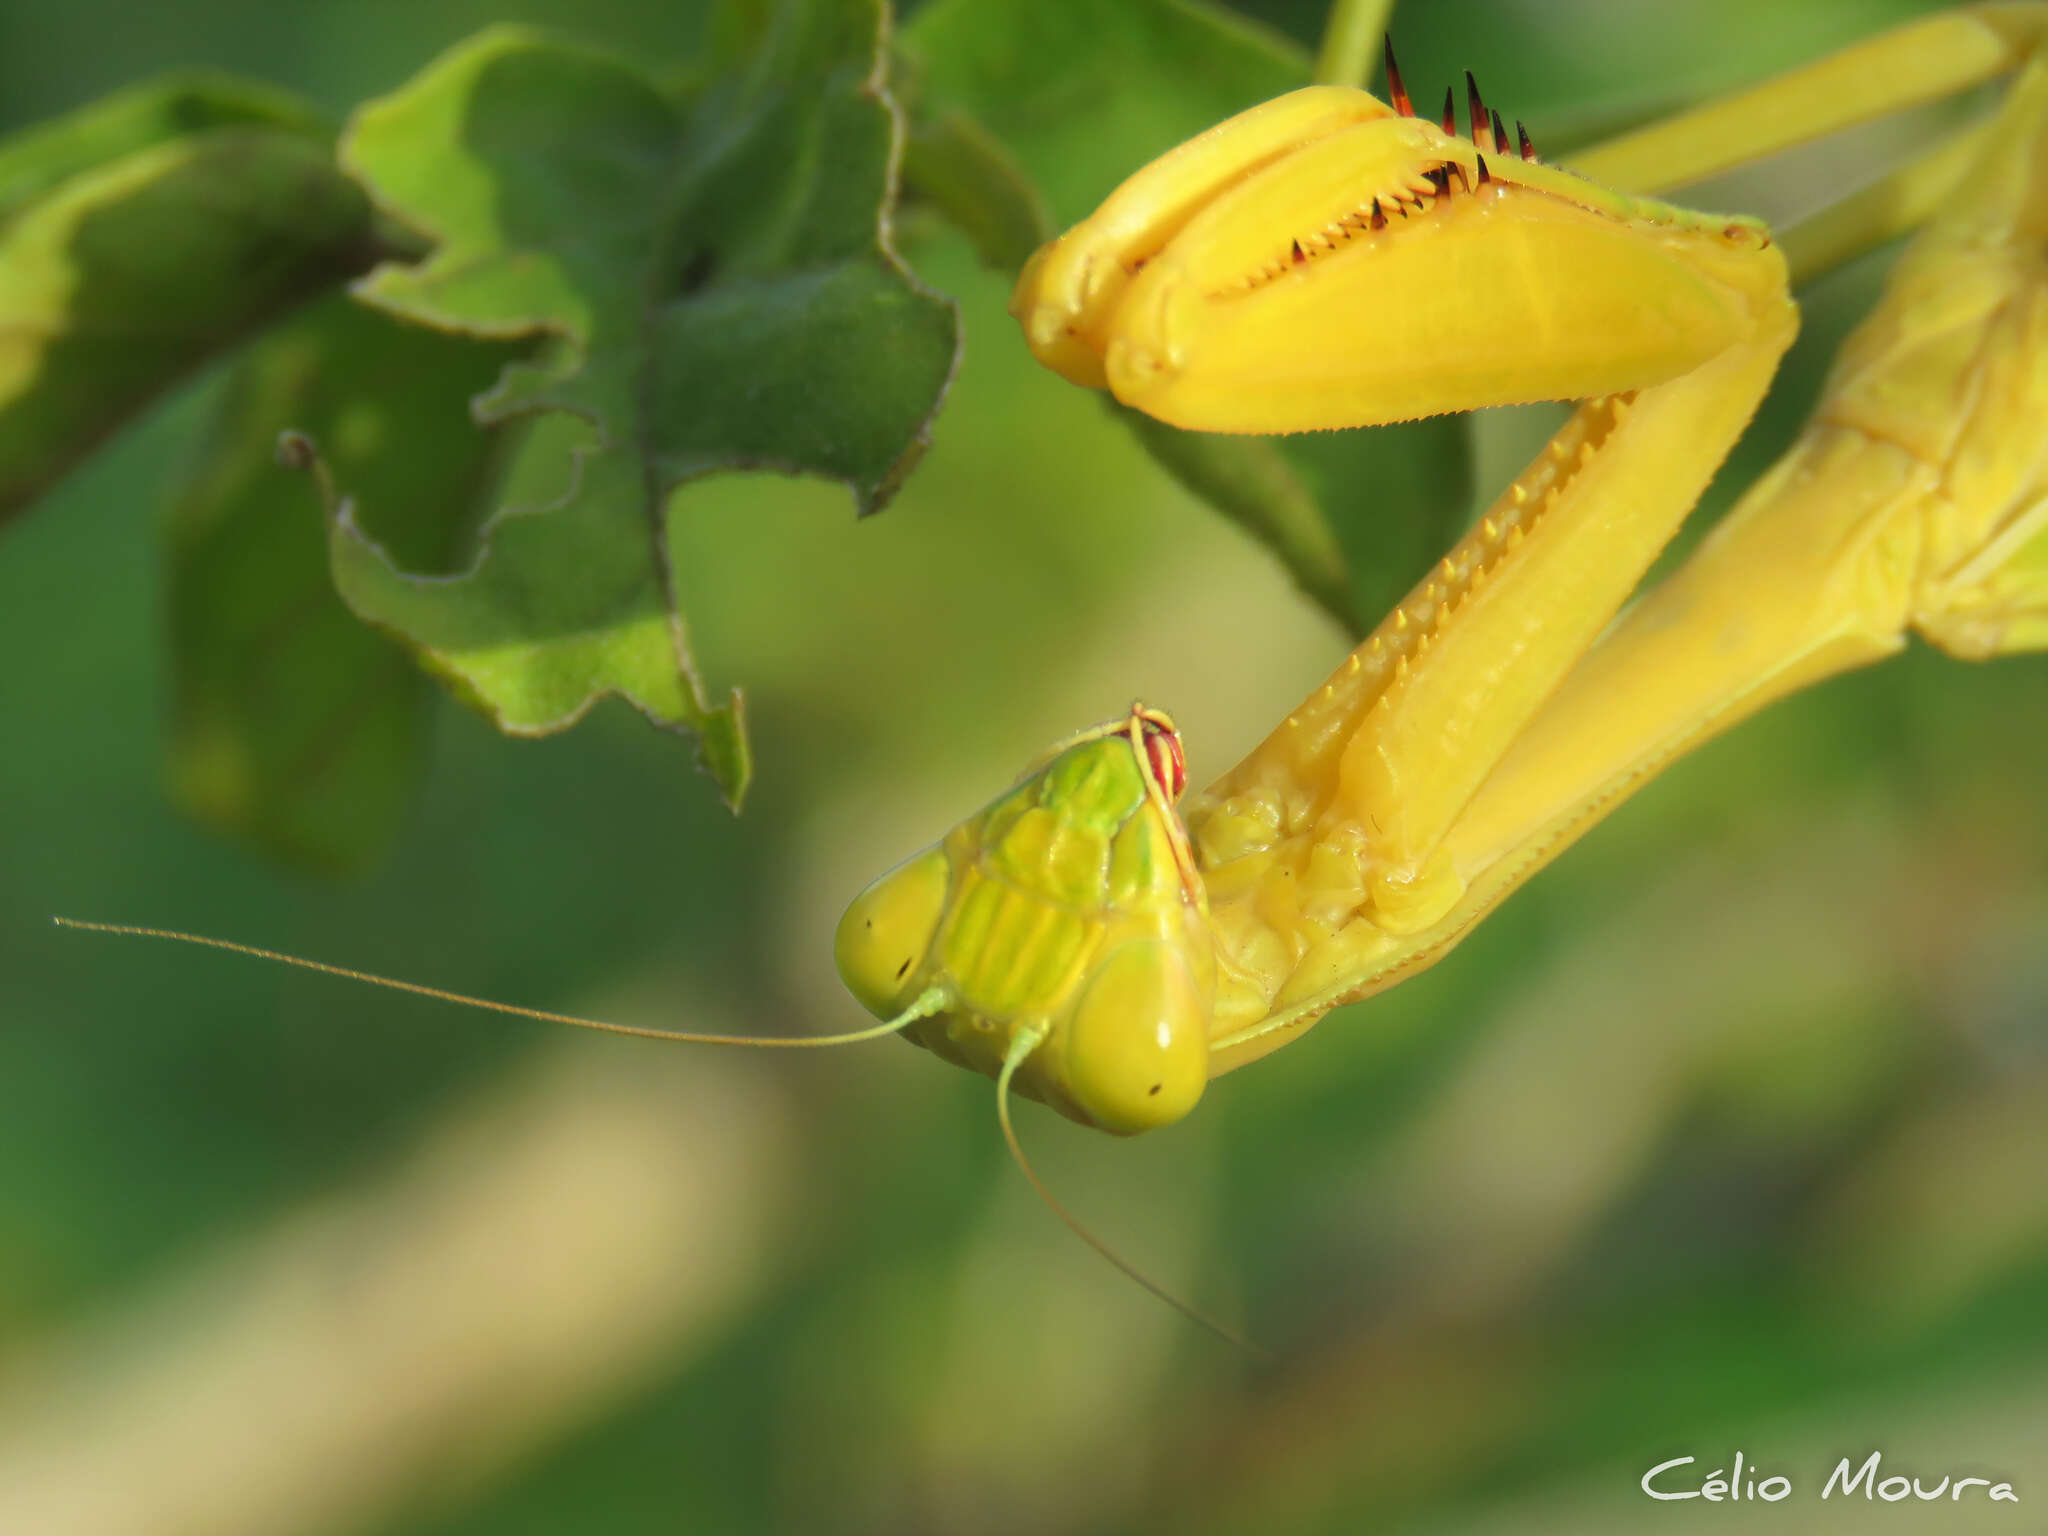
(1329,260)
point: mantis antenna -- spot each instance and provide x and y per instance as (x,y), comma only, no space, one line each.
(1021,1047)
(930,1001)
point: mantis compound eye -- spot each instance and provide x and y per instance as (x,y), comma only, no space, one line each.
(883,938)
(1163,754)
(1138,1042)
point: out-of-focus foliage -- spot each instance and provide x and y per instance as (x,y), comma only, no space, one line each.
(39,159)
(697,264)
(295,724)
(140,236)
(716,274)
(1725,1134)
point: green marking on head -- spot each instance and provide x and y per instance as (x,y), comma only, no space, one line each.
(1067,907)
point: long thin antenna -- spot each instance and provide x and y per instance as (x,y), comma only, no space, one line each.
(931,1001)
(1027,1041)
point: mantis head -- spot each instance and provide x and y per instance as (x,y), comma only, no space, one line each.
(1065,919)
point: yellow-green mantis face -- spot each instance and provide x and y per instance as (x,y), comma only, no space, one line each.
(1065,919)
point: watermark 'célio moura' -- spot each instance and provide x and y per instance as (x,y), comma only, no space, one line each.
(1669,1480)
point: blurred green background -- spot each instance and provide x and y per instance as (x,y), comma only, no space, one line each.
(1730,1132)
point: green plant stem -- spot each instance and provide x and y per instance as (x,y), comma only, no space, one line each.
(1351,40)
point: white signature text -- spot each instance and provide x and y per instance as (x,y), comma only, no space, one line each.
(1744,1481)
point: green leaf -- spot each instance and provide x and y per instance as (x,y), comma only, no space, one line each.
(36,159)
(1085,92)
(116,281)
(293,725)
(715,276)
(1398,496)
(1251,481)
